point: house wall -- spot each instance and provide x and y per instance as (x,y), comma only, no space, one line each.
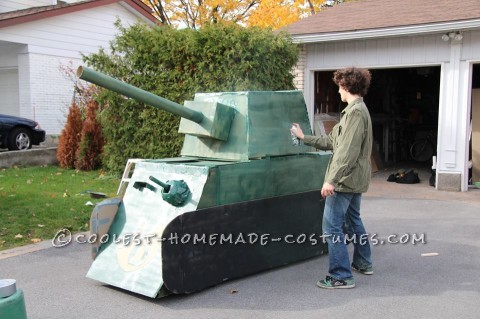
(40,49)
(69,34)
(9,83)
(9,91)
(47,89)
(453,56)
(12,5)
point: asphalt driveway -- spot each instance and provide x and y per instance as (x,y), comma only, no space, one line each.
(443,284)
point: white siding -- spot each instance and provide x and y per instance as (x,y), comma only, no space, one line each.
(67,35)
(471,45)
(8,55)
(9,91)
(12,5)
(394,52)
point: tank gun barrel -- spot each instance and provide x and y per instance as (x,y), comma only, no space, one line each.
(137,94)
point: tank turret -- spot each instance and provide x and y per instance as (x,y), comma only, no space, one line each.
(231,126)
(243,196)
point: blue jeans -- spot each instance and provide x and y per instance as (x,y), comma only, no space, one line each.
(343,209)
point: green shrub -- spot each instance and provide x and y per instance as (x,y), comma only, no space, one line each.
(175,64)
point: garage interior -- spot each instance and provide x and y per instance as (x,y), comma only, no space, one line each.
(474,145)
(403,105)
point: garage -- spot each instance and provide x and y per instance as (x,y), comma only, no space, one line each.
(403,104)
(424,94)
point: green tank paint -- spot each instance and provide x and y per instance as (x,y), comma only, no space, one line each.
(216,123)
(261,126)
(173,192)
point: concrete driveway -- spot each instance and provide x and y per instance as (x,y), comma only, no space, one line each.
(405,284)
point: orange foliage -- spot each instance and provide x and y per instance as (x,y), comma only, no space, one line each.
(272,14)
(91,144)
(70,138)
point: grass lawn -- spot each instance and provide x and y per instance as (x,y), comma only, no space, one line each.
(36,202)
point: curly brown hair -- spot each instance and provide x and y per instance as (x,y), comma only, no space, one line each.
(353,80)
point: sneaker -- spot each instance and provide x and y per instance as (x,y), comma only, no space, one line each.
(332,283)
(366,271)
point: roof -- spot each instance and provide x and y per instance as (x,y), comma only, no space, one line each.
(37,13)
(381,14)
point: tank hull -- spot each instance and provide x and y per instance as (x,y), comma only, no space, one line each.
(154,248)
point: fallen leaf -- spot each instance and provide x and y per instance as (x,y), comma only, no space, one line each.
(53,195)
(35,240)
(40,225)
(429,254)
(233,291)
(18,236)
(58,173)
(65,195)
(29,181)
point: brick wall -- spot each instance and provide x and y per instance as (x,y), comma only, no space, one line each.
(47,93)
(299,69)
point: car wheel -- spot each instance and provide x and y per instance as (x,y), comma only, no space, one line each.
(19,139)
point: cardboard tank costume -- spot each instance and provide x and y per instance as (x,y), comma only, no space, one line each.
(242,197)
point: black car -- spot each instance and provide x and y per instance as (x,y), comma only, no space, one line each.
(18,133)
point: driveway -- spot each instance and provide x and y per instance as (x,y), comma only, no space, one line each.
(442,284)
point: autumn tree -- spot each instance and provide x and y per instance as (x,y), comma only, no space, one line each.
(263,13)
(194,14)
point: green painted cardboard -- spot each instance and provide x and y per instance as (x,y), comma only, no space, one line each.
(216,123)
(143,213)
(261,126)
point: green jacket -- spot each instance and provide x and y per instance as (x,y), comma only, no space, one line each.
(349,168)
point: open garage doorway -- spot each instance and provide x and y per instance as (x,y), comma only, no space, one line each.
(403,104)
(474,147)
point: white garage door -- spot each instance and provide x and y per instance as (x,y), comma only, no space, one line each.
(9,92)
